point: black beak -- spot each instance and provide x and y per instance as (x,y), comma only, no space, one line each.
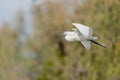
(60,33)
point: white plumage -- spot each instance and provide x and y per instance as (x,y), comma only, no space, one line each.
(83,34)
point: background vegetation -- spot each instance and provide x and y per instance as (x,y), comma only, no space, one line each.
(45,55)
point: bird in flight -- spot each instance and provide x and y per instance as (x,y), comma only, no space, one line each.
(83,34)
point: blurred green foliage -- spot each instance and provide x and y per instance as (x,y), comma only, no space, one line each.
(47,56)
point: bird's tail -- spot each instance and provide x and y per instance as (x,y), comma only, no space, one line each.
(103,45)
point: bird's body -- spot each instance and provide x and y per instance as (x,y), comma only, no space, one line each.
(83,34)
(71,36)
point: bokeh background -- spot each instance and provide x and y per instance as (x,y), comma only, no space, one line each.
(32,49)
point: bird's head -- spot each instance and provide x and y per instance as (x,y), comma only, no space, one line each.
(66,33)
(74,29)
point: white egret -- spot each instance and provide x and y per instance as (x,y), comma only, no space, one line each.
(83,34)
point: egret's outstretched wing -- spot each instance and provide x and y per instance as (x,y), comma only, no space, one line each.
(86,44)
(84,30)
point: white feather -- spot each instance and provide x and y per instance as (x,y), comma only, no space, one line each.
(85,30)
(80,33)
